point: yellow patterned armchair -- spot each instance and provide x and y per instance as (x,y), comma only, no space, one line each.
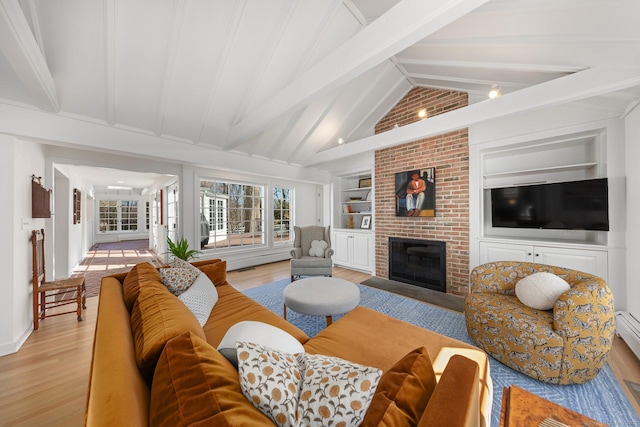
(566,345)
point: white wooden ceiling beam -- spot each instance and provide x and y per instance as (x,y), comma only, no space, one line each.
(574,87)
(21,50)
(403,25)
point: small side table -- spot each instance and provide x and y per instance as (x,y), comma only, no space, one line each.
(522,408)
(321,296)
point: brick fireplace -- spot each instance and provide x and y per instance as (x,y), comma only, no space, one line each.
(449,154)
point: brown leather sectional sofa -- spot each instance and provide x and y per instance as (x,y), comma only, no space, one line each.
(122,394)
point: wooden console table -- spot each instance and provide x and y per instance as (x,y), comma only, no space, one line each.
(522,408)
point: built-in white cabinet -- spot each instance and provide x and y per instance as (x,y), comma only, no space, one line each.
(591,261)
(352,249)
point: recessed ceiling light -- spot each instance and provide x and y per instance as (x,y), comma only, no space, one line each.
(422,113)
(495,92)
(340,140)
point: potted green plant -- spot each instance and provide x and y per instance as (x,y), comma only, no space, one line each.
(181,249)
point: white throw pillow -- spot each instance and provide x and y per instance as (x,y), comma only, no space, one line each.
(317,248)
(258,333)
(541,290)
(200,298)
(305,389)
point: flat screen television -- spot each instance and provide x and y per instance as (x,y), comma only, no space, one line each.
(575,205)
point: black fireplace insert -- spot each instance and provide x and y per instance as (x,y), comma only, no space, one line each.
(418,262)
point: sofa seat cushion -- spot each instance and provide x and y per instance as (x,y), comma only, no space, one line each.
(158,316)
(143,274)
(362,326)
(194,384)
(403,392)
(521,337)
(233,307)
(307,261)
(305,389)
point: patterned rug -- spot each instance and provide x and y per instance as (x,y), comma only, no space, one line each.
(104,259)
(601,399)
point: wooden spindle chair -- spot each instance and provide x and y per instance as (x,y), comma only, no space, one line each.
(47,295)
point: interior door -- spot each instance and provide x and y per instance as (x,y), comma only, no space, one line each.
(173,230)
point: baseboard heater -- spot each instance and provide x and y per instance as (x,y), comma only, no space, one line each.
(628,328)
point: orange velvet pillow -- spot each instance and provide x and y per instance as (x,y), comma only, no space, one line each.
(195,384)
(216,272)
(403,392)
(143,274)
(158,316)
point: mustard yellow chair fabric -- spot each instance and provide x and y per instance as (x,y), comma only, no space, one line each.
(566,345)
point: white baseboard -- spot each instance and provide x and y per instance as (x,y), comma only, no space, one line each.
(13,347)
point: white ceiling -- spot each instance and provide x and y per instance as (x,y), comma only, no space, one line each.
(284,79)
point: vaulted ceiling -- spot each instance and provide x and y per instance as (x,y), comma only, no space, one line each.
(283,80)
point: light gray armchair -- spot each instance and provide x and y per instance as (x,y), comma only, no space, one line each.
(303,264)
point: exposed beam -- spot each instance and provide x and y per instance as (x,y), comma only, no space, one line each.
(20,48)
(574,87)
(400,27)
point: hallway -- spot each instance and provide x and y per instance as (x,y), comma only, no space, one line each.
(104,259)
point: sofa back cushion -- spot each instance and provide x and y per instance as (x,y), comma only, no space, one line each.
(156,317)
(403,392)
(143,274)
(216,272)
(195,385)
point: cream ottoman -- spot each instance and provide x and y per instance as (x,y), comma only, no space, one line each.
(321,296)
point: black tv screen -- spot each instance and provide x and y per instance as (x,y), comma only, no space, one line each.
(575,205)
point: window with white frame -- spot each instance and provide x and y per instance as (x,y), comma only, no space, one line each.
(118,215)
(282,198)
(235,211)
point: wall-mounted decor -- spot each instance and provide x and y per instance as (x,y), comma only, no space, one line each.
(416,193)
(40,199)
(77,197)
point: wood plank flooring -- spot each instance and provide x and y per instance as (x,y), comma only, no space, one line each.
(45,383)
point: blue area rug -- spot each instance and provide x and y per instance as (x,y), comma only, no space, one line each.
(601,399)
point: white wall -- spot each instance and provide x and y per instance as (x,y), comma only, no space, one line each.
(19,160)
(632,134)
(548,123)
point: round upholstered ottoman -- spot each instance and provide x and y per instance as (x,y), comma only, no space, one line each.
(321,296)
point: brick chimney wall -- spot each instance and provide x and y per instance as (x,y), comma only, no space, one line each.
(449,154)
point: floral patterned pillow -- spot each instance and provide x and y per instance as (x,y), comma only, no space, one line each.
(305,389)
(179,276)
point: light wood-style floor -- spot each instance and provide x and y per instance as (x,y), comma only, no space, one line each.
(45,382)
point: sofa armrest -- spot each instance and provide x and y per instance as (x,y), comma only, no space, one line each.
(585,317)
(328,253)
(495,277)
(296,253)
(455,402)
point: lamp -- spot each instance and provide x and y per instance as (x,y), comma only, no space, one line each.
(422,113)
(495,92)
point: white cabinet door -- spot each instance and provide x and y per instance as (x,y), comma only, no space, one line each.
(342,249)
(490,252)
(592,262)
(361,258)
(353,250)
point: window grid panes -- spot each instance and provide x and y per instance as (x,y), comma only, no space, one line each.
(282,214)
(238,217)
(118,215)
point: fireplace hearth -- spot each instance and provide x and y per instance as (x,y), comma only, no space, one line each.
(418,262)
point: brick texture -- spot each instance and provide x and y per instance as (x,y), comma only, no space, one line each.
(449,154)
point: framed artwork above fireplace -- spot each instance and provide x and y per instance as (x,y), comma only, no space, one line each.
(416,193)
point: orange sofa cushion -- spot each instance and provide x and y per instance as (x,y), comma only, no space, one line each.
(216,272)
(143,274)
(403,392)
(158,316)
(195,385)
